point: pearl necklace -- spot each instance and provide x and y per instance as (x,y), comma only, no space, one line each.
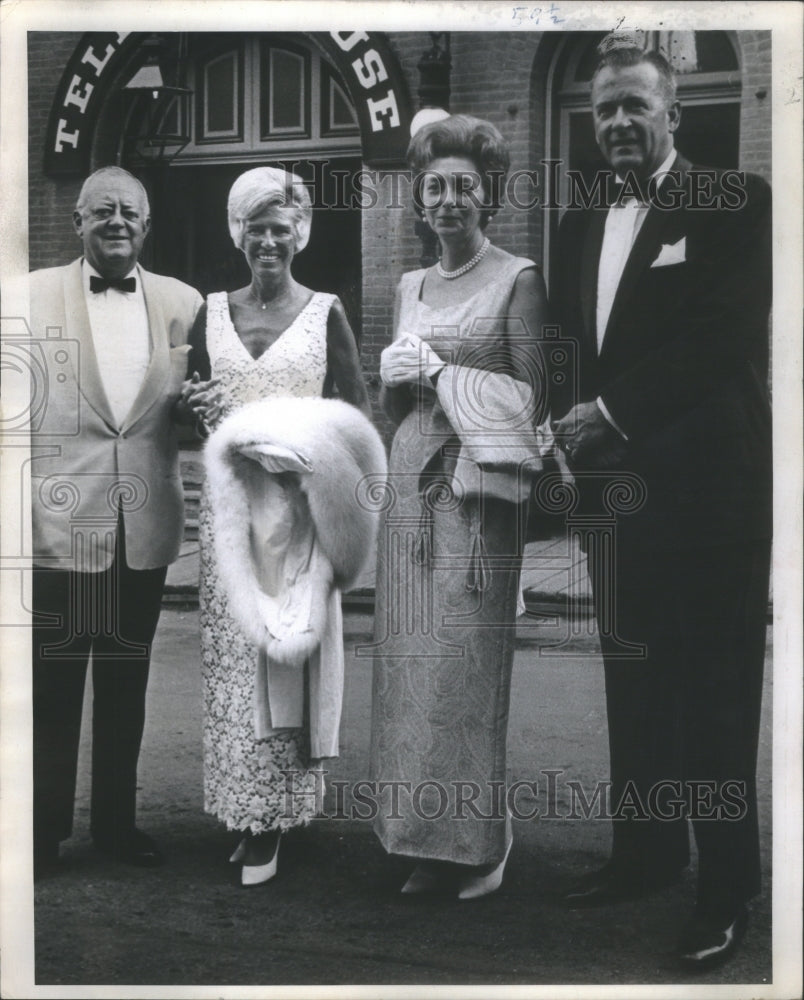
(481,253)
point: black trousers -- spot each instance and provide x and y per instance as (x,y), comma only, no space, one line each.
(684,718)
(112,616)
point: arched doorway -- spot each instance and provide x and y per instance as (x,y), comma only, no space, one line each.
(187,111)
(259,100)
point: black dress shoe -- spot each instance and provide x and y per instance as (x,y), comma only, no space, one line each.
(134,848)
(612,884)
(709,941)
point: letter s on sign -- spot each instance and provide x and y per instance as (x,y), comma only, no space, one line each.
(365,69)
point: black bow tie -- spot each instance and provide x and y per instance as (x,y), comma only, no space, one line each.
(97,284)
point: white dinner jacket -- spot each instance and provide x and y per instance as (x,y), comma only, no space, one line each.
(85,468)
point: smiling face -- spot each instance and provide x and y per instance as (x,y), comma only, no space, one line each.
(112,222)
(269,240)
(634,123)
(452,197)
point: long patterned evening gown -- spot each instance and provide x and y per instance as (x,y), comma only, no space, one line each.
(446,597)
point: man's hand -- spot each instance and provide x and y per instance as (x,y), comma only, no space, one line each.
(588,439)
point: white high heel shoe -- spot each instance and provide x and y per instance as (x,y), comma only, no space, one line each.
(475,886)
(258,874)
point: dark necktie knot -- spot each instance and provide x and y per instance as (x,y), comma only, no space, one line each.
(98,284)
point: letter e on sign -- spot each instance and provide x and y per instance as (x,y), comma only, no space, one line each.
(76,96)
(383,113)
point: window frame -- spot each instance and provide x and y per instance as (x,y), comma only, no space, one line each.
(266,132)
(251,145)
(202,136)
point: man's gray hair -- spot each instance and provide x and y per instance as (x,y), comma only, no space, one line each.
(110,172)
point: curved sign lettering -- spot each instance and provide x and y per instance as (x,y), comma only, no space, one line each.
(378,90)
(80,95)
(364,59)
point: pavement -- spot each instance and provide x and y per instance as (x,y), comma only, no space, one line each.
(333,915)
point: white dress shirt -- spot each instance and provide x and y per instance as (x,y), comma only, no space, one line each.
(121,338)
(623,222)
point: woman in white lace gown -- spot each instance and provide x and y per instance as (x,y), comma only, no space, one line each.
(272,338)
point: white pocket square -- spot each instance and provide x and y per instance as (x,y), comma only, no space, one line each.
(672,253)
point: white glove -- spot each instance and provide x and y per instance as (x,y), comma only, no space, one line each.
(409,359)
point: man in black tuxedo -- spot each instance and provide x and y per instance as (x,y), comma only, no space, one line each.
(666,295)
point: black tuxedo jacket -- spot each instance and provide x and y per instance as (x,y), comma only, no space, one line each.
(684,364)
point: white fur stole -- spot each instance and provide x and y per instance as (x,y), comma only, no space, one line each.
(314,450)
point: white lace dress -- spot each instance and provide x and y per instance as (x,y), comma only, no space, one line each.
(252,784)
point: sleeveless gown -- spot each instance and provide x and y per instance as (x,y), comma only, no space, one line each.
(243,783)
(444,642)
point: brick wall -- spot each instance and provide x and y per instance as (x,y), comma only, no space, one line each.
(390,246)
(755,110)
(51,238)
(491,79)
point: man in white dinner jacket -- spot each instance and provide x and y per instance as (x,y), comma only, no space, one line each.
(107,508)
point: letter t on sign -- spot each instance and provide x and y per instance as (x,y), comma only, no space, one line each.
(62,136)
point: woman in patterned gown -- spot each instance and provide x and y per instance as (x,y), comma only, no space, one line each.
(463,379)
(272,338)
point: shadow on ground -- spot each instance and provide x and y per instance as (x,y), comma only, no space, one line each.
(333,915)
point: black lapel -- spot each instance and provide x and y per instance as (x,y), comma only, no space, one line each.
(644,250)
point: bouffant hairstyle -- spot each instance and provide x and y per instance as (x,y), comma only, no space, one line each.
(265,187)
(472,138)
(625,56)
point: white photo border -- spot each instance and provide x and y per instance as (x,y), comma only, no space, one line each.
(784,20)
